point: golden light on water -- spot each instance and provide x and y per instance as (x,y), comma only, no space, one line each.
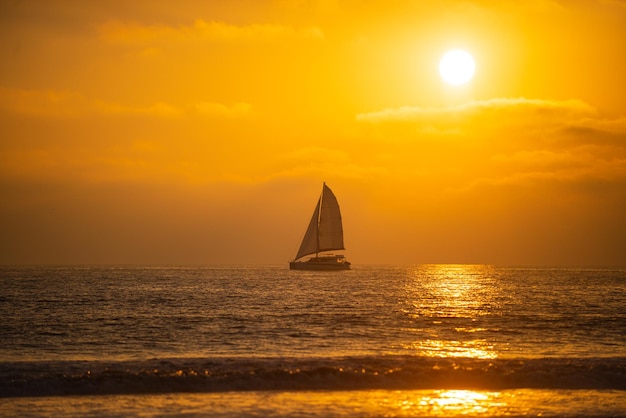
(446,403)
(455,401)
(379,403)
(451,298)
(479,349)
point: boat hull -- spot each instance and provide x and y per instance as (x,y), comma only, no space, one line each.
(304,265)
(328,263)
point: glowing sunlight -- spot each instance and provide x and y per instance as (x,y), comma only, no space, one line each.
(457,67)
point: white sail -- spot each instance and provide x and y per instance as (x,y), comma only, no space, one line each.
(309,242)
(325,231)
(330,228)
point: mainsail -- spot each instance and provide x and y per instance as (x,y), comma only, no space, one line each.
(325,232)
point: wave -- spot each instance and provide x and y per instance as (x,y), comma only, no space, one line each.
(54,378)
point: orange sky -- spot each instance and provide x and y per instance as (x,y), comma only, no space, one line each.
(201,131)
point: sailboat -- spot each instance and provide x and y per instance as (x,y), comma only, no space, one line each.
(325,233)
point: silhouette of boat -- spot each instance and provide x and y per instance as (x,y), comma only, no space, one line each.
(324,233)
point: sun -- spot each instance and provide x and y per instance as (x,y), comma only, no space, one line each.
(457,67)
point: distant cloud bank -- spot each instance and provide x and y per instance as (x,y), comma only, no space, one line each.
(483,108)
(68,104)
(202,30)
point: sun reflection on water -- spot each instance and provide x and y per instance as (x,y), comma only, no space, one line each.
(479,349)
(344,403)
(448,306)
(445,403)
(454,401)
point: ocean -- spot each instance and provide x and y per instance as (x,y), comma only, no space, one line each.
(248,341)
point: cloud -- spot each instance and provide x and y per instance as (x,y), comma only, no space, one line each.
(159,109)
(586,174)
(502,125)
(218,109)
(485,114)
(48,102)
(67,104)
(205,31)
(319,162)
(166,110)
(496,146)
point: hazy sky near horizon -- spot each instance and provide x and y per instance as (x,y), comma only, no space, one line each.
(201,131)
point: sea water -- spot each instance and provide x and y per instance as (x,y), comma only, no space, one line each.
(430,340)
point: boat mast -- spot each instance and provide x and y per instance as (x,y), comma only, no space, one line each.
(319,218)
